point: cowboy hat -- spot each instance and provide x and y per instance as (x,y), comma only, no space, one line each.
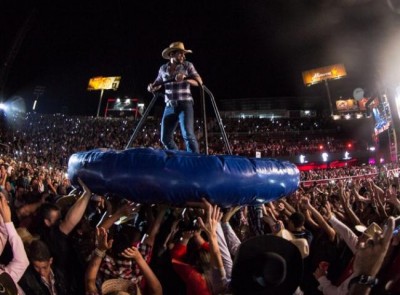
(266,265)
(174,47)
(300,243)
(370,230)
(7,285)
(117,285)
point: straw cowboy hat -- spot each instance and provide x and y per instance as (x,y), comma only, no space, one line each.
(267,264)
(300,243)
(121,286)
(370,230)
(173,47)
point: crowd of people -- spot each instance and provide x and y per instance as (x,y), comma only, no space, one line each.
(50,139)
(337,234)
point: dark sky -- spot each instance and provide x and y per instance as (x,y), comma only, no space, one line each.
(241,48)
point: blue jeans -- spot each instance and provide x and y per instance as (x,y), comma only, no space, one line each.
(180,112)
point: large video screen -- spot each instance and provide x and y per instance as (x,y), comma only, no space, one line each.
(381,119)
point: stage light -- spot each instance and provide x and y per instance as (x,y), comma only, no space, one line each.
(347,116)
(302,159)
(336,117)
(3,106)
(325,157)
(372,148)
(349,145)
(127,101)
(321,147)
(359,116)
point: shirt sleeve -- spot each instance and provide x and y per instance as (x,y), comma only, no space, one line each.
(159,78)
(225,253)
(232,239)
(345,232)
(192,71)
(326,287)
(3,235)
(20,262)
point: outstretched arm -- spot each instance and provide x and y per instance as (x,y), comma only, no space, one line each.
(209,225)
(155,226)
(125,210)
(152,283)
(75,213)
(103,244)
(20,262)
(320,219)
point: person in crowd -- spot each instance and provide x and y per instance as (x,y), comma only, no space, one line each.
(43,276)
(55,231)
(115,285)
(119,263)
(13,271)
(369,259)
(179,74)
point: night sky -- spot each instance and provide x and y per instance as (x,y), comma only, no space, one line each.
(241,48)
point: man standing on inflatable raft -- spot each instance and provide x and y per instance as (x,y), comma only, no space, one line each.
(180,75)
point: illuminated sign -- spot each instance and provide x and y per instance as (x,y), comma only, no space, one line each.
(325,73)
(98,83)
(346,105)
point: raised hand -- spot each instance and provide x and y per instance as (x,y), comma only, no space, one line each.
(232,211)
(132,253)
(102,242)
(212,218)
(128,209)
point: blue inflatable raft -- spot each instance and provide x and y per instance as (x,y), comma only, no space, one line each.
(152,176)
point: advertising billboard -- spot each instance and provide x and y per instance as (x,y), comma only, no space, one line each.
(318,75)
(99,83)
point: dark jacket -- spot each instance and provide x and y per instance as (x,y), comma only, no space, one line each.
(32,284)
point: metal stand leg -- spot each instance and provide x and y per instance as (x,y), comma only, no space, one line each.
(205,132)
(142,120)
(217,115)
(219,120)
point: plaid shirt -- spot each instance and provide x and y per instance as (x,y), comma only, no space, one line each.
(177,90)
(123,268)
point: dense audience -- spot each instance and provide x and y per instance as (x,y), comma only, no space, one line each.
(50,139)
(337,234)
